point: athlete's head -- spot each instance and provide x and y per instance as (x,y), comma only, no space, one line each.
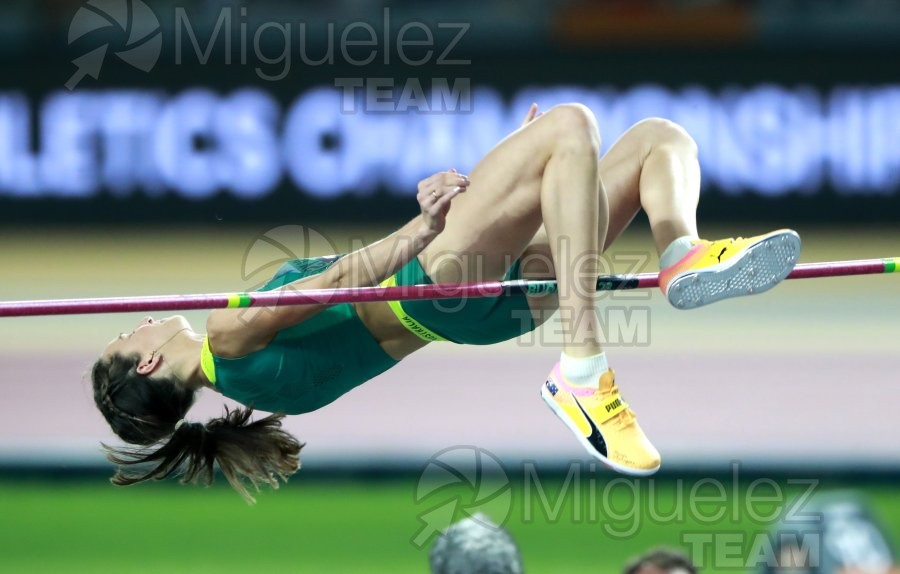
(138,381)
(144,383)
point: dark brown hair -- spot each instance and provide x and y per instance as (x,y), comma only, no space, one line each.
(663,559)
(144,411)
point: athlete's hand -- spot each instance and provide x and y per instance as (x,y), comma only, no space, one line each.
(435,195)
(532,114)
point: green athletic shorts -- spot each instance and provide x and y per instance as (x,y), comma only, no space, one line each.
(481,321)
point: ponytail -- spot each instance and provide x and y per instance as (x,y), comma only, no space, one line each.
(147,412)
(258,452)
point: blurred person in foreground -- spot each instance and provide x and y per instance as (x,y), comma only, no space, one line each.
(475,545)
(835,533)
(661,561)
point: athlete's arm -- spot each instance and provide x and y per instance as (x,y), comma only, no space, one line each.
(378,261)
(236,332)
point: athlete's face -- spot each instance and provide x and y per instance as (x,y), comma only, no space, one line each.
(149,335)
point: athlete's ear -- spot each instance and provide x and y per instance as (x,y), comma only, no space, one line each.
(148,365)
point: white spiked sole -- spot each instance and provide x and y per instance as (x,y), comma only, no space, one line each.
(548,398)
(760,267)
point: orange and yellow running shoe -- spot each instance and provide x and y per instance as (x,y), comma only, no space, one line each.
(603,423)
(716,270)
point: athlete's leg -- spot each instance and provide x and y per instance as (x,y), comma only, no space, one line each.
(652,165)
(655,165)
(694,272)
(545,172)
(548,172)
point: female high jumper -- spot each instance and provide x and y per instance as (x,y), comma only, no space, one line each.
(540,204)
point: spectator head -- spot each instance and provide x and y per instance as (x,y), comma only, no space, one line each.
(661,561)
(475,546)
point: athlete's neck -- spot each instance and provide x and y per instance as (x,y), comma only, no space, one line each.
(184,361)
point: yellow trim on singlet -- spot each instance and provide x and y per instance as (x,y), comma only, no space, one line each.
(411,324)
(207,365)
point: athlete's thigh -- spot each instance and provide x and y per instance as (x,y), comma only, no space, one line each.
(620,179)
(491,224)
(620,176)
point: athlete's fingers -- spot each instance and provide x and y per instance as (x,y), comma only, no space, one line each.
(428,187)
(451,184)
(449,190)
(437,193)
(455,179)
(431,200)
(425,198)
(461,179)
(428,199)
(445,177)
(440,185)
(532,113)
(435,181)
(434,209)
(445,203)
(442,205)
(429,183)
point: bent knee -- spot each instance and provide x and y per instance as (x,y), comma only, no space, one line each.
(660,132)
(575,123)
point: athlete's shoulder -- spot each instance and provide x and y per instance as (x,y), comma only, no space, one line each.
(307,266)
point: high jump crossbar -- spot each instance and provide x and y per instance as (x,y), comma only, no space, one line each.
(398,293)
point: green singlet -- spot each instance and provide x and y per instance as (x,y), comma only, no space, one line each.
(311,364)
(306,366)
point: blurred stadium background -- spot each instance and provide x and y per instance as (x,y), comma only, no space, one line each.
(157,147)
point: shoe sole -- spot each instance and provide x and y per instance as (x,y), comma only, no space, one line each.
(760,267)
(548,398)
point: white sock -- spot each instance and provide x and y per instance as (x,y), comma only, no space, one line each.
(583,372)
(675,251)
